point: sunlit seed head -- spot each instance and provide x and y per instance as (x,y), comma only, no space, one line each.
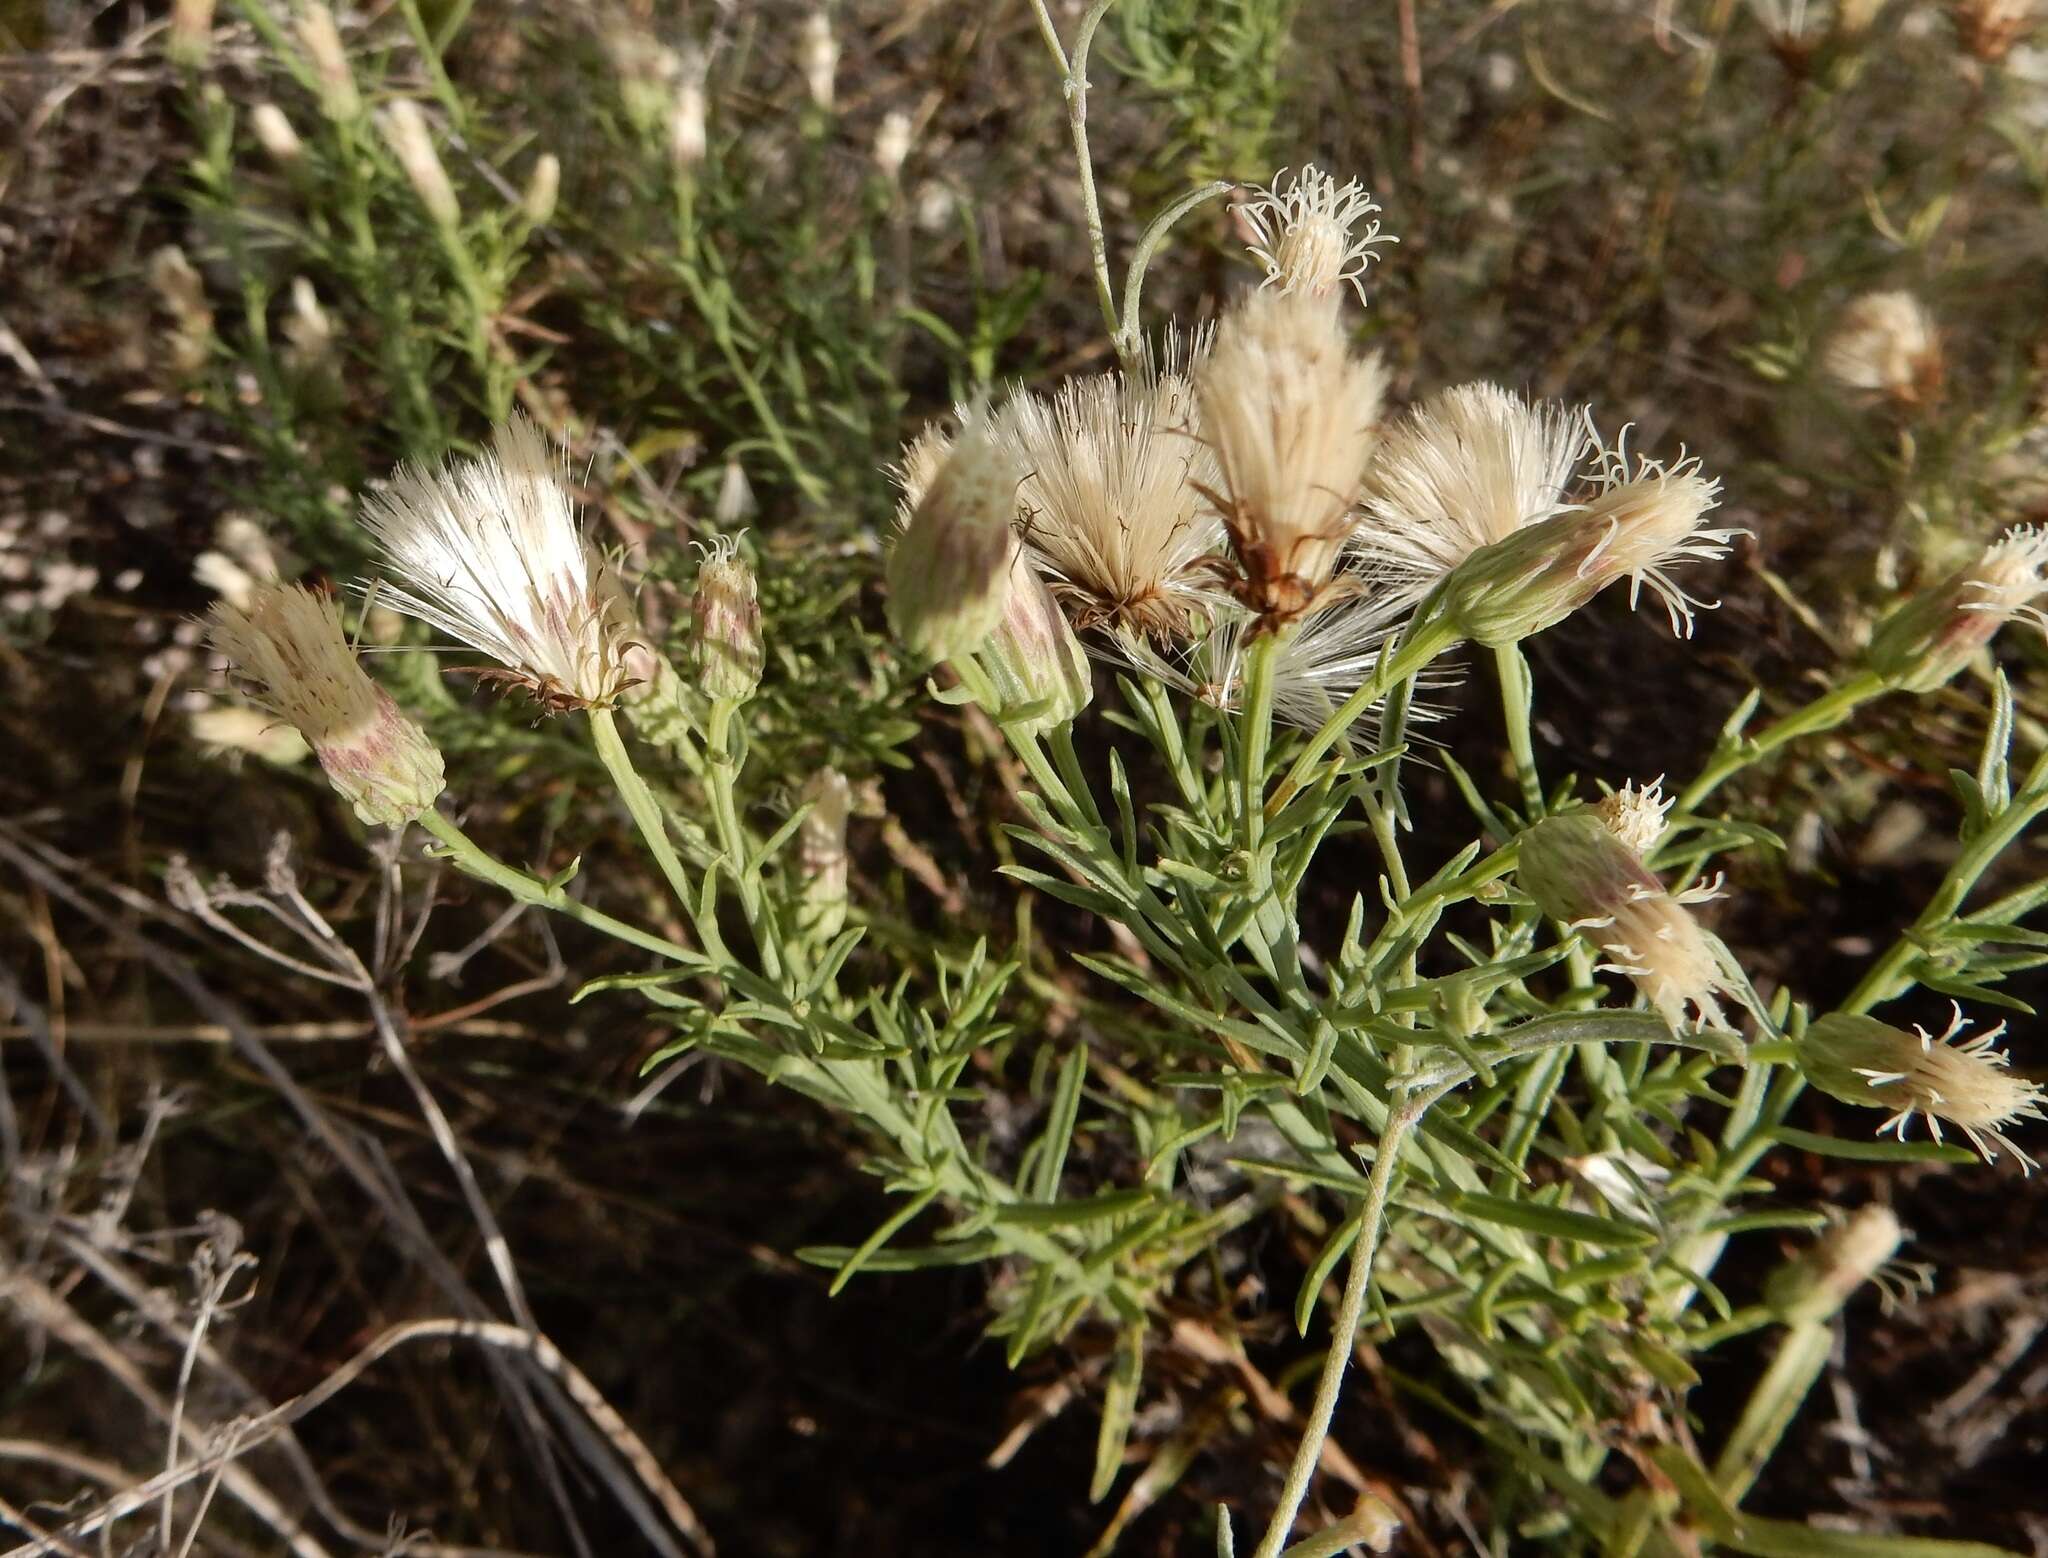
(1635,814)
(274,133)
(1886,346)
(1949,1079)
(405,131)
(1468,467)
(489,551)
(287,650)
(1291,417)
(1577,871)
(1111,505)
(1304,226)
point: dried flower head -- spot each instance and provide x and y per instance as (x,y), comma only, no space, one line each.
(1111,508)
(336,83)
(1291,416)
(1965,1082)
(1988,30)
(1304,231)
(725,628)
(1577,871)
(949,576)
(489,551)
(1924,643)
(1814,1284)
(288,652)
(821,854)
(1470,466)
(404,128)
(1886,346)
(1635,815)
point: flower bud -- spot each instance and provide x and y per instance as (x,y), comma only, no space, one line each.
(1873,1065)
(336,83)
(287,649)
(1577,871)
(818,58)
(1634,528)
(274,133)
(1924,643)
(405,131)
(726,632)
(892,144)
(949,576)
(543,189)
(1814,1284)
(1033,656)
(821,856)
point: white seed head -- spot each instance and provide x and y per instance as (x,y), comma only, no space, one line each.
(892,144)
(1304,226)
(1112,514)
(818,58)
(1886,345)
(274,133)
(405,131)
(488,550)
(1635,815)
(1577,871)
(1964,1082)
(1468,467)
(1924,643)
(336,83)
(288,651)
(1291,417)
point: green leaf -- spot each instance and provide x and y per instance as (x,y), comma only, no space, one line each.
(1553,1221)
(1871,1149)
(1119,1405)
(1072,1214)
(963,1252)
(881,1236)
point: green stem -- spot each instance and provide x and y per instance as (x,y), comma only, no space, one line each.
(1425,641)
(1516,700)
(646,814)
(1074,85)
(722,767)
(470,857)
(1254,739)
(1830,709)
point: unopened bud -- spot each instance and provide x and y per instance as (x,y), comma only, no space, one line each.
(1579,872)
(543,189)
(892,144)
(274,133)
(818,58)
(1815,1284)
(821,856)
(1947,1077)
(949,576)
(336,83)
(1033,656)
(405,131)
(726,633)
(288,650)
(1924,643)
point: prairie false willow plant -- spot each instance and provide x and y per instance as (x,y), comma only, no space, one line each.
(1531,1159)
